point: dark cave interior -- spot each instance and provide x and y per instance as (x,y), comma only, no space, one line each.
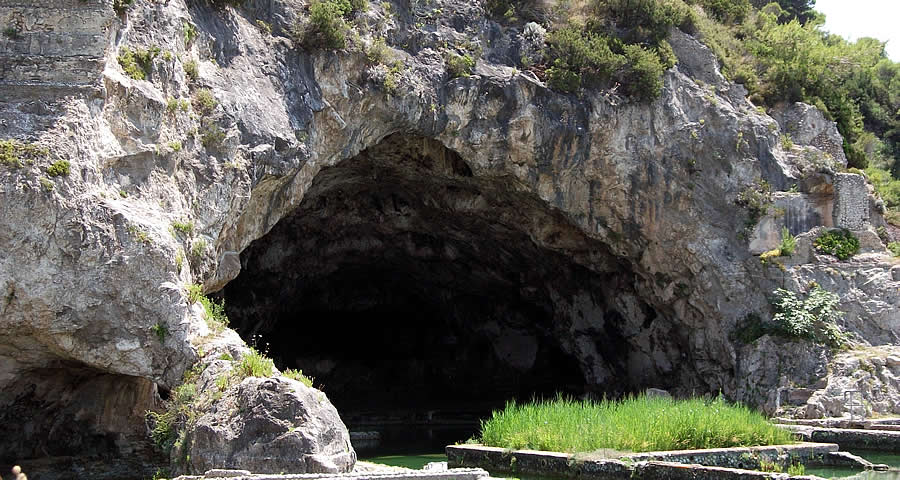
(403,282)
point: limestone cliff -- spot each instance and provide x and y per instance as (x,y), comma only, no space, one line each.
(242,150)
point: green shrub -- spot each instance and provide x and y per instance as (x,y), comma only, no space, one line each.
(888,188)
(204,101)
(198,248)
(788,243)
(13,153)
(637,424)
(460,65)
(391,80)
(329,28)
(137,63)
(255,364)
(840,243)
(756,199)
(189,31)
(562,78)
(644,21)
(59,168)
(161,331)
(728,11)
(186,227)
(813,318)
(643,76)
(894,248)
(191,69)
(580,55)
(378,52)
(299,376)
(211,134)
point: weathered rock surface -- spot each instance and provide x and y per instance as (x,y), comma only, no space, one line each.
(614,220)
(270,425)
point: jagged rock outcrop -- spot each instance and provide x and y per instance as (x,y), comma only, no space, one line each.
(613,222)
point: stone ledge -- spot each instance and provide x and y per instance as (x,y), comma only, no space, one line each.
(849,438)
(450,474)
(716,463)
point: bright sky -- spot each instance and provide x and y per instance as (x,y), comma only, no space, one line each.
(864,18)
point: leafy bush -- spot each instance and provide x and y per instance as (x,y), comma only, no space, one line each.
(645,21)
(840,243)
(578,54)
(728,11)
(329,29)
(637,424)
(888,188)
(813,318)
(378,52)
(643,77)
(460,65)
(255,364)
(59,168)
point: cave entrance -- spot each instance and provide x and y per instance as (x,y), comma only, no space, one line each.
(415,292)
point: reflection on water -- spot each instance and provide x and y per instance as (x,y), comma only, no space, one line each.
(887,458)
(416,462)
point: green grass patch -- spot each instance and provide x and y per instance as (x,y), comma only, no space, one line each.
(636,424)
(186,227)
(299,376)
(255,364)
(215,316)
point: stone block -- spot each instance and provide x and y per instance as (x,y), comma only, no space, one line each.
(851,201)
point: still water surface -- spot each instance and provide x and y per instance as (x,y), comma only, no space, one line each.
(887,458)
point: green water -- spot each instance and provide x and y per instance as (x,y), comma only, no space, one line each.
(418,461)
(415,462)
(887,458)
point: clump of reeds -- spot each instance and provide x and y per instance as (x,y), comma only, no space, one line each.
(635,424)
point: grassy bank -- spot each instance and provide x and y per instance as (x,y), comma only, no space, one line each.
(636,424)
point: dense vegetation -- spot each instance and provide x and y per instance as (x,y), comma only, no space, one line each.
(778,50)
(636,424)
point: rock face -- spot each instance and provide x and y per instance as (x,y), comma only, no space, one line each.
(270,425)
(589,234)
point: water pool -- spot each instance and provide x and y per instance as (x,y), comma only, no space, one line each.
(888,458)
